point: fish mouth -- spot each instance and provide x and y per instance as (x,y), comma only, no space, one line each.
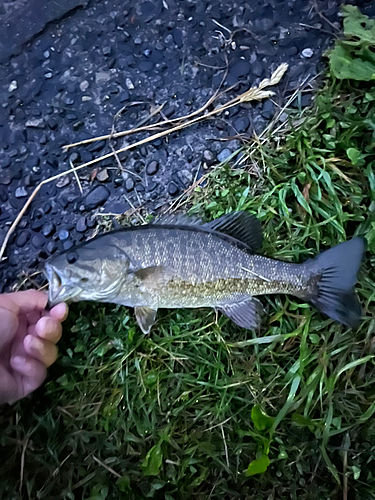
(58,291)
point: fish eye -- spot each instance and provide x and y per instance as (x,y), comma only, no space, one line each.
(84,280)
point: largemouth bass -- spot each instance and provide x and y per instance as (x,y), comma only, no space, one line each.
(178,262)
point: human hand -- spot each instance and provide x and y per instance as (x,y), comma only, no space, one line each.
(28,334)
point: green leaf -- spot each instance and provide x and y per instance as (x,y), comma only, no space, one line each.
(152,463)
(260,419)
(358,26)
(354,155)
(300,198)
(258,466)
(123,483)
(353,58)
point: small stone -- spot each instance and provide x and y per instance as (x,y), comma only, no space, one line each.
(68,100)
(106,50)
(291,51)
(129,84)
(48,229)
(51,247)
(208,157)
(129,184)
(151,186)
(13,86)
(67,244)
(102,77)
(37,240)
(35,123)
(96,197)
(63,181)
(241,68)
(6,178)
(242,124)
(172,189)
(138,166)
(146,66)
(52,123)
(20,192)
(268,109)
(63,234)
(257,69)
(48,75)
(224,155)
(307,53)
(152,168)
(84,85)
(23,238)
(81,225)
(91,223)
(37,225)
(177,37)
(72,257)
(102,176)
(169,111)
(137,40)
(71,117)
(124,96)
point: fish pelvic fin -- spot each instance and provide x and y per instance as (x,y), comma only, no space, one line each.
(336,272)
(145,318)
(246,313)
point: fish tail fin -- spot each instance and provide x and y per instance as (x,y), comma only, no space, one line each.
(337,269)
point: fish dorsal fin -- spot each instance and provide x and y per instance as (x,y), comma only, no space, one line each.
(176,220)
(241,226)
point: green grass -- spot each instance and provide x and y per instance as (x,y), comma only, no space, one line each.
(182,413)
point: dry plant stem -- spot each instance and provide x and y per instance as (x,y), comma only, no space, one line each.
(76,176)
(143,128)
(156,125)
(256,93)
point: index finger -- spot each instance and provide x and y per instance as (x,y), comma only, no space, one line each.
(23,302)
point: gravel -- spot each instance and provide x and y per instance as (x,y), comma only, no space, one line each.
(65,74)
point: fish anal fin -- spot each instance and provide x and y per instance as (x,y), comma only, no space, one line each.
(246,314)
(145,317)
(241,226)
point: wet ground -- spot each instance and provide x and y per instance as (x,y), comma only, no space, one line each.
(67,68)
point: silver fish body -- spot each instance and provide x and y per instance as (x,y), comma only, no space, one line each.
(173,265)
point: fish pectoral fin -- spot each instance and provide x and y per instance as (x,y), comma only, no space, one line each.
(145,318)
(153,277)
(246,313)
(241,226)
